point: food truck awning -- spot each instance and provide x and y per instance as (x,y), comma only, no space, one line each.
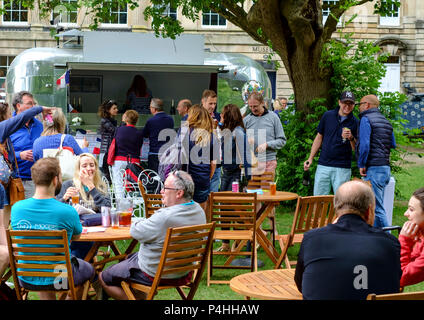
(144,67)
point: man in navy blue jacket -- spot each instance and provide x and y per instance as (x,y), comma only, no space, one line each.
(376,138)
(152,130)
(336,136)
(23,139)
(349,259)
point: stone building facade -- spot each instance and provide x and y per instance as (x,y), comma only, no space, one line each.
(401,35)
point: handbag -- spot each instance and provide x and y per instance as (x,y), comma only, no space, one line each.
(5,167)
(173,158)
(66,159)
(16,187)
(111,153)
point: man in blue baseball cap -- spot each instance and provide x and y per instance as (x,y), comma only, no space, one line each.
(336,137)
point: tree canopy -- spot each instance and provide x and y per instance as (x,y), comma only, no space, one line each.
(293,29)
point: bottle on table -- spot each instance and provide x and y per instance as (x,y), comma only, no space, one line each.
(243,181)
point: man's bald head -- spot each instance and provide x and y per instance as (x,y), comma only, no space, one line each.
(355,197)
(368,102)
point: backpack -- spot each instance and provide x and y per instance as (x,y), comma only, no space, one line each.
(172,159)
(132,171)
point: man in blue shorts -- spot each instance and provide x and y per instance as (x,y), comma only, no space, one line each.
(44,212)
(336,137)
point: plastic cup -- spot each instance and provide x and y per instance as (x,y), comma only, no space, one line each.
(272,188)
(105,216)
(114,219)
(125,219)
(75,199)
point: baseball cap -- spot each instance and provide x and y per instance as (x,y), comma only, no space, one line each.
(347,96)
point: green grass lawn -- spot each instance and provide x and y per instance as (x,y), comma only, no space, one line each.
(406,184)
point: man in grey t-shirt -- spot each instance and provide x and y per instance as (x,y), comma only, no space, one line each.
(180,210)
(265,133)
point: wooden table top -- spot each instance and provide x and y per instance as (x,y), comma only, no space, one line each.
(276,284)
(110,234)
(277,197)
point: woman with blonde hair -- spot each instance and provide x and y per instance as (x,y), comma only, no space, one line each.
(88,185)
(202,161)
(51,136)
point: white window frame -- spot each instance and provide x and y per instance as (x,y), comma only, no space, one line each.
(389,77)
(393,20)
(167,12)
(15,23)
(67,24)
(210,13)
(9,60)
(326,12)
(116,25)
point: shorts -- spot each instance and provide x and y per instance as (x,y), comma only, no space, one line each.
(81,270)
(129,270)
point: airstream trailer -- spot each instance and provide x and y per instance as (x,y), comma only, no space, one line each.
(103,65)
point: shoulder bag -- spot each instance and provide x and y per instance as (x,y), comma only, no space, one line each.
(16,187)
(66,159)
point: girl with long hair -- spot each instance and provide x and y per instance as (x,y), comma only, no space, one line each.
(51,136)
(203,151)
(139,96)
(89,186)
(234,146)
(108,110)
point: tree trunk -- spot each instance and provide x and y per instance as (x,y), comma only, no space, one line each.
(307,82)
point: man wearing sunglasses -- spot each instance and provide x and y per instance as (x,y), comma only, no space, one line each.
(376,138)
(179,210)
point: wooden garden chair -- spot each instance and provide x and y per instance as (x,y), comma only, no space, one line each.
(185,250)
(152,202)
(311,212)
(235,217)
(28,249)
(418,295)
(262,182)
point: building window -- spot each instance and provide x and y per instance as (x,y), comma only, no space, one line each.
(326,9)
(118,14)
(213,19)
(391,80)
(5,62)
(391,19)
(170,12)
(66,13)
(14,12)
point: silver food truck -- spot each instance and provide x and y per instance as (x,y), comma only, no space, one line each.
(101,65)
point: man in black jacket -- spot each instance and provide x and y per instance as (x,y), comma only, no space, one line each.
(349,259)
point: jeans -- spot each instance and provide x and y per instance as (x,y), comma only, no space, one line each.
(227,179)
(153,162)
(379,176)
(329,177)
(216,180)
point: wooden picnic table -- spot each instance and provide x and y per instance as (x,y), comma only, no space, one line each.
(105,239)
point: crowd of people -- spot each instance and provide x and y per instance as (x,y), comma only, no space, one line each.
(220,148)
